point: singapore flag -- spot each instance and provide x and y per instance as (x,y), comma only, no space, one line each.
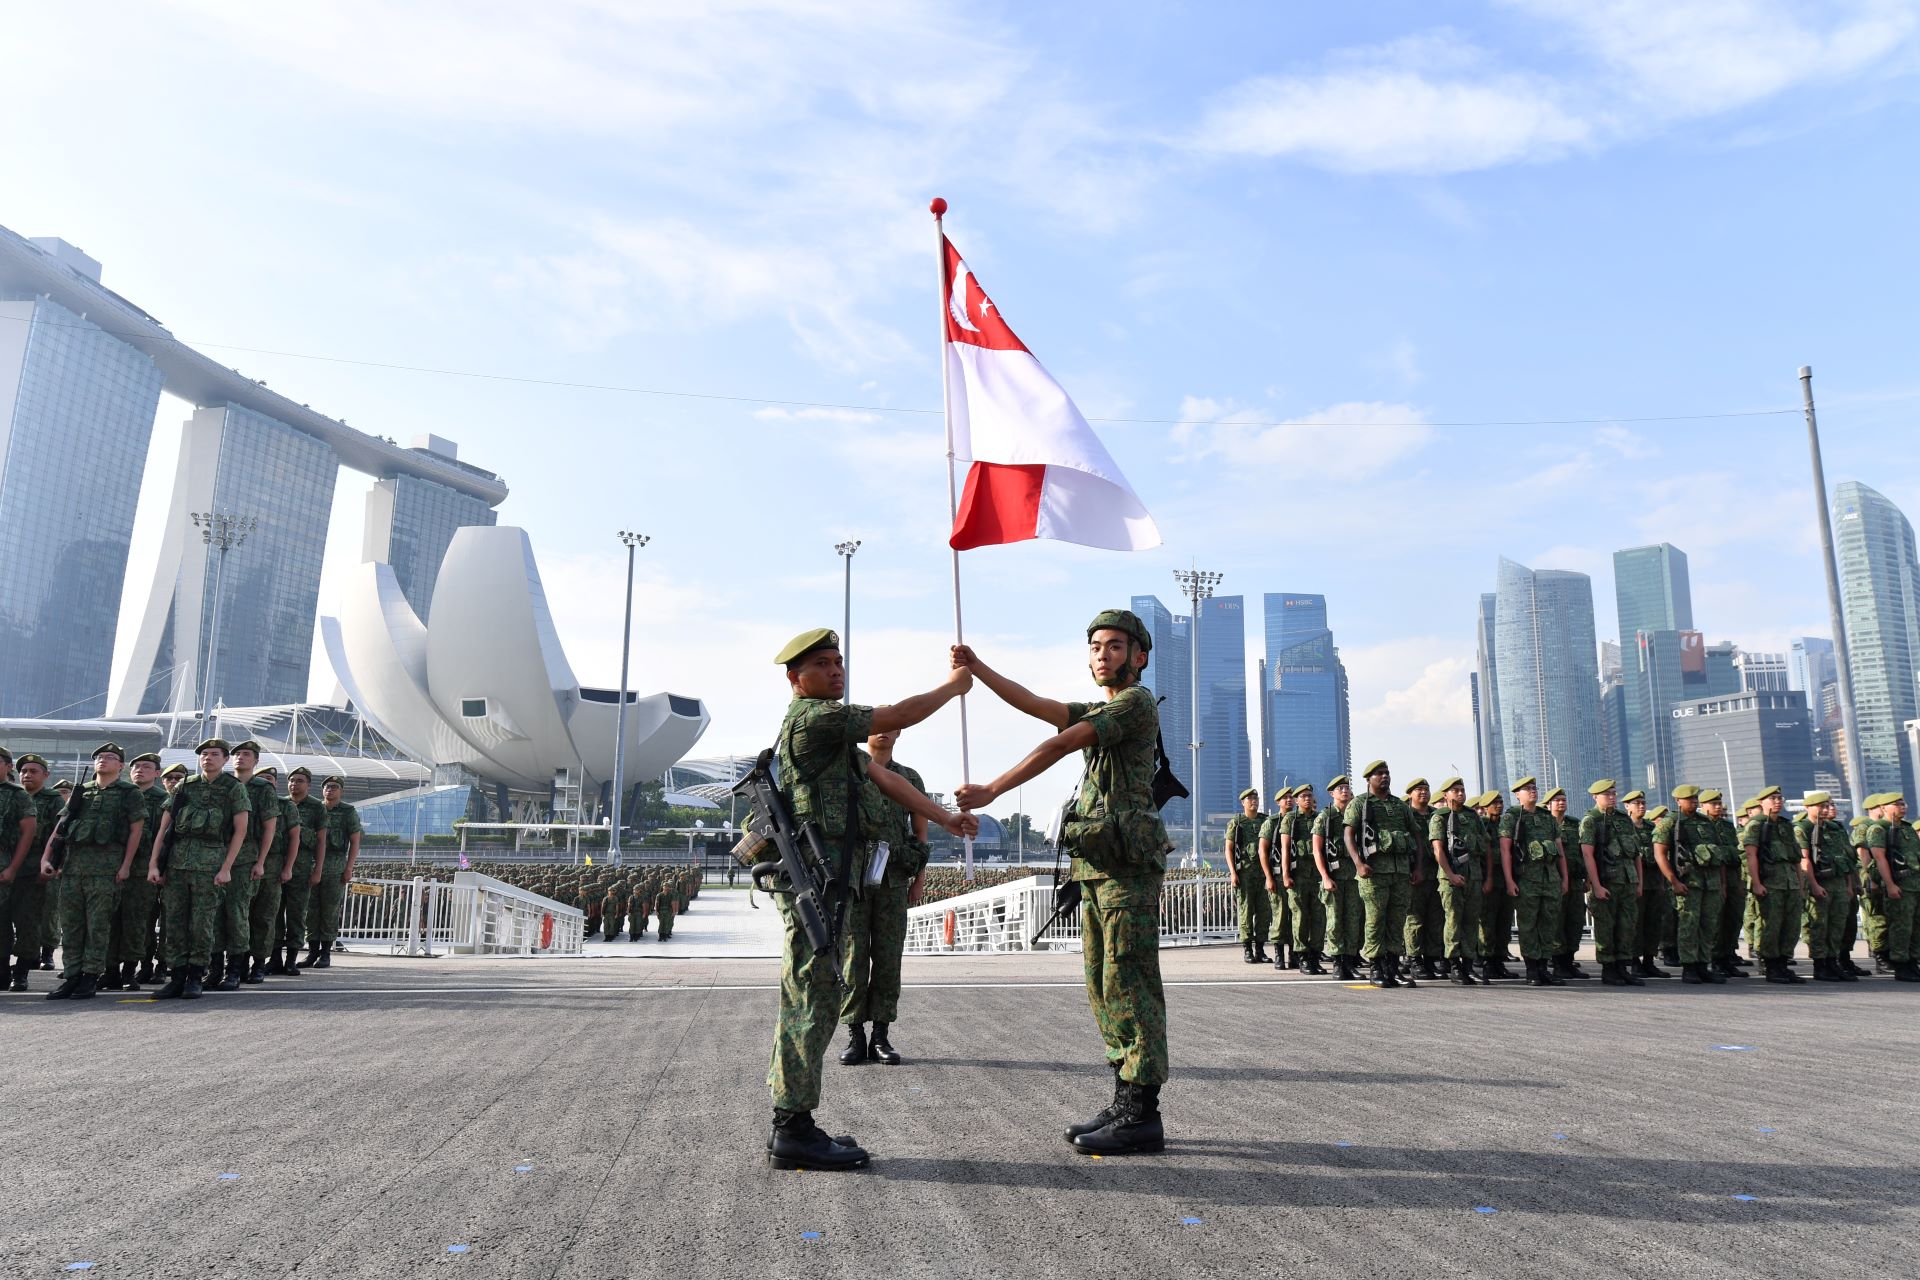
(1036,468)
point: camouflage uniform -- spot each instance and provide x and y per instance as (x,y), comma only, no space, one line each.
(309,817)
(877,923)
(1873,893)
(96,846)
(1692,843)
(1573,904)
(1464,836)
(1346,918)
(613,911)
(203,813)
(825,782)
(1386,889)
(1778,914)
(20,900)
(1243,851)
(1833,871)
(1536,873)
(263,917)
(133,914)
(1120,859)
(1656,898)
(1426,913)
(323,917)
(1734,892)
(1903,864)
(666,905)
(1616,856)
(1303,900)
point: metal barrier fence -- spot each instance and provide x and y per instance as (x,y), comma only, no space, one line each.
(1193,911)
(475,915)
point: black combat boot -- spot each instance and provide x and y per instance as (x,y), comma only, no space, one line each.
(129,976)
(66,988)
(256,972)
(799,1143)
(1536,976)
(1843,970)
(46,957)
(1568,967)
(1283,960)
(290,966)
(1314,968)
(1648,969)
(1628,978)
(176,985)
(20,970)
(146,971)
(1694,975)
(1135,1126)
(1727,969)
(1463,971)
(1777,972)
(89,983)
(1880,965)
(1380,972)
(1259,951)
(1404,970)
(235,974)
(1908,972)
(313,954)
(110,980)
(1713,975)
(1610,975)
(1670,956)
(196,982)
(1547,971)
(1491,969)
(1846,962)
(1353,968)
(856,1051)
(878,1050)
(326,956)
(217,971)
(1246,952)
(1106,1113)
(1823,970)
(1427,970)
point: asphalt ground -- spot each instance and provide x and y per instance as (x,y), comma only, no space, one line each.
(607,1118)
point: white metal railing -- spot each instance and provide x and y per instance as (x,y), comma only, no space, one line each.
(1193,910)
(475,915)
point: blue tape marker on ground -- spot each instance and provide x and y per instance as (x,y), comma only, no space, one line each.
(1189,1222)
(811,1235)
(1769,1131)
(1746,1197)
(456,1248)
(1732,1048)
(523,1168)
(1343,1144)
(1559,1137)
(1484,1208)
(228,1177)
(78,1266)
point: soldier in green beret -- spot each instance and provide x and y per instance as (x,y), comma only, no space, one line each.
(1895,848)
(1120,849)
(1426,915)
(102,836)
(1611,852)
(206,818)
(1535,867)
(1686,851)
(1339,881)
(1496,907)
(877,924)
(333,864)
(306,818)
(1773,871)
(1827,860)
(1382,842)
(19,876)
(1460,848)
(130,954)
(1733,891)
(1302,883)
(232,962)
(1656,895)
(1573,903)
(1242,850)
(1273,878)
(826,781)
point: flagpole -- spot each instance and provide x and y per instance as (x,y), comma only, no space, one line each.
(938,207)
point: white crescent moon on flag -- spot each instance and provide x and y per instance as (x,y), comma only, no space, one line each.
(957,299)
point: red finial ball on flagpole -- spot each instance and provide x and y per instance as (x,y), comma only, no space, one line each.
(938,206)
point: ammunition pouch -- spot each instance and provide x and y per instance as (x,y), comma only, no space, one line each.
(1115,844)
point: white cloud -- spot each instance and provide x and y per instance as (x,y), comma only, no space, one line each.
(774,413)
(1365,435)
(1411,705)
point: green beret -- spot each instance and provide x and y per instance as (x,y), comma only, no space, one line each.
(6,755)
(1686,791)
(1557,793)
(805,643)
(1706,797)
(299,771)
(110,749)
(266,771)
(1339,781)
(1659,813)
(65,784)
(149,756)
(333,780)
(1631,796)
(1282,794)
(1248,792)
(1894,797)
(1449,784)
(221,743)
(1603,786)
(178,768)
(1417,782)
(1373,767)
(1122,620)
(1526,783)
(1816,798)
(1765,793)
(248,745)
(32,757)
(1482,800)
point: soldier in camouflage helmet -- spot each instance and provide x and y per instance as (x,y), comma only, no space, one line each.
(1119,860)
(828,780)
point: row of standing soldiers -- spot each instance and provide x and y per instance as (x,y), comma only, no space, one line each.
(622,902)
(1413,888)
(202,881)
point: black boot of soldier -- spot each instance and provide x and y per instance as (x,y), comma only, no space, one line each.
(1669,956)
(1880,965)
(326,956)
(129,976)
(1843,969)
(146,971)
(1908,972)
(1726,968)
(1135,1128)
(1246,952)
(1313,967)
(1648,969)
(1694,975)
(1490,969)
(196,982)
(89,983)
(856,1051)
(799,1143)
(236,972)
(1846,962)
(1463,971)
(46,958)
(20,970)
(66,988)
(1787,971)
(1628,978)
(878,1050)
(1285,959)
(1259,951)
(1547,971)
(217,971)
(1401,968)
(110,980)
(1380,972)
(176,985)
(1610,975)
(256,972)
(1106,1113)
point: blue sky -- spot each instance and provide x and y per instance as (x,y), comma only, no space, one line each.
(1367,222)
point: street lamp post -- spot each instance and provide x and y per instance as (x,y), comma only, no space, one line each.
(1726,758)
(222,531)
(846,550)
(632,542)
(1198,585)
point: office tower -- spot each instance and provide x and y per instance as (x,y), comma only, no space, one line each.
(1548,670)
(76,414)
(1810,667)
(1613,729)
(1492,745)
(1761,672)
(410,521)
(1722,676)
(1653,595)
(1652,590)
(1880,580)
(1745,741)
(1167,676)
(1226,759)
(1305,693)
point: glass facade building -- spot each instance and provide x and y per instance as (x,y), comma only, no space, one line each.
(1880,581)
(1491,743)
(1226,763)
(76,415)
(1745,741)
(1305,694)
(1652,590)
(1167,677)
(1654,596)
(410,521)
(1549,678)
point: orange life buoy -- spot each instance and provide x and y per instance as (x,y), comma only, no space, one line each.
(947,931)
(546,930)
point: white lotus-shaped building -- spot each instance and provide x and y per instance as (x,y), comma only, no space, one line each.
(486,684)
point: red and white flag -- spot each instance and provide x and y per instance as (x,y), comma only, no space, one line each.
(1037,469)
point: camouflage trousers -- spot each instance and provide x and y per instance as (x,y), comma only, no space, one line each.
(86,910)
(290,928)
(1279,915)
(876,938)
(1537,911)
(1826,918)
(1777,916)
(1387,896)
(1573,912)
(234,925)
(264,913)
(1309,915)
(1873,910)
(133,918)
(1733,914)
(50,915)
(809,1001)
(1256,908)
(1120,952)
(191,904)
(1346,918)
(614,915)
(1427,917)
(20,906)
(323,909)
(1462,904)
(1616,922)
(1901,924)
(666,919)
(1699,910)
(1496,918)
(1656,911)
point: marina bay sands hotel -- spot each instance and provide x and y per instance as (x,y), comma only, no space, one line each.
(81,372)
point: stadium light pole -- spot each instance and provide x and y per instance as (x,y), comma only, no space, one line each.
(222,531)
(632,542)
(1198,584)
(1843,667)
(846,550)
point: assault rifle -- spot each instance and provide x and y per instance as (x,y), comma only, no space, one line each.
(1369,833)
(820,885)
(56,855)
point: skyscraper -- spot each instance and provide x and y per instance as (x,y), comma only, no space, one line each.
(1226,760)
(1761,672)
(1810,667)
(76,414)
(410,521)
(1549,676)
(1652,590)
(1880,579)
(1492,744)
(1653,595)
(1305,694)
(1168,672)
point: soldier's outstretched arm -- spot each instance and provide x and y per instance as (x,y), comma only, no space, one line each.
(908,797)
(908,712)
(1011,692)
(1039,760)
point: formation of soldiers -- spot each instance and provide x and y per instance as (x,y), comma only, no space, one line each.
(1410,887)
(615,900)
(199,880)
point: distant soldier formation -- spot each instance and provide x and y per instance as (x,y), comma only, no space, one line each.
(616,901)
(1434,884)
(198,880)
